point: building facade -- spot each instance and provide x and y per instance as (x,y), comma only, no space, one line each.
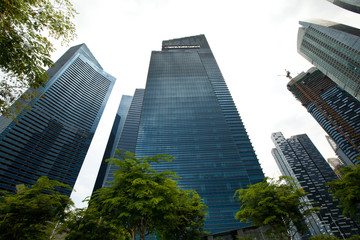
(113,139)
(299,158)
(337,112)
(351,5)
(187,111)
(53,137)
(340,153)
(125,132)
(335,50)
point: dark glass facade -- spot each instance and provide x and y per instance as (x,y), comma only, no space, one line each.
(335,50)
(113,139)
(299,158)
(52,138)
(336,110)
(188,112)
(351,5)
(127,131)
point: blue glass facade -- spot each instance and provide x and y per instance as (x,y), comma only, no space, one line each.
(299,158)
(336,110)
(113,139)
(127,131)
(351,5)
(188,112)
(335,50)
(52,139)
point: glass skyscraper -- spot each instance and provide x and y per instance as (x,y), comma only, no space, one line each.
(298,157)
(113,138)
(124,132)
(335,50)
(351,5)
(337,112)
(187,111)
(53,137)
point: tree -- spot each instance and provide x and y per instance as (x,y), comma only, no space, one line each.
(24,49)
(141,200)
(347,190)
(32,212)
(245,238)
(87,224)
(187,220)
(275,204)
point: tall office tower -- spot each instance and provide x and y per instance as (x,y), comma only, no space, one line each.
(124,132)
(336,165)
(337,112)
(351,5)
(299,158)
(113,139)
(335,50)
(52,138)
(188,112)
(340,153)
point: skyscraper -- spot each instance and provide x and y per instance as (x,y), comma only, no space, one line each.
(113,138)
(299,158)
(340,153)
(335,50)
(351,5)
(125,132)
(52,138)
(187,111)
(337,112)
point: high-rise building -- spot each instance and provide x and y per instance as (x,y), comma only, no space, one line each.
(337,112)
(187,111)
(113,138)
(351,5)
(299,158)
(53,137)
(124,132)
(335,50)
(336,164)
(340,153)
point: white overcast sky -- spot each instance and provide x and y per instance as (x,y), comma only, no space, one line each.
(253,42)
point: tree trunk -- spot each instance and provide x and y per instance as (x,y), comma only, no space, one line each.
(133,235)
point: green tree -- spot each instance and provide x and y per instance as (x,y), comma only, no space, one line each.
(142,200)
(186,220)
(87,224)
(24,48)
(245,238)
(347,190)
(276,204)
(32,212)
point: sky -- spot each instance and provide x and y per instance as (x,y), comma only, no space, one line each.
(253,43)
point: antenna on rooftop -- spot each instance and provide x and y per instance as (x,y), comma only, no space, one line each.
(288,74)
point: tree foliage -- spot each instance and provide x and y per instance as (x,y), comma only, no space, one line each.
(276,204)
(186,220)
(32,212)
(245,238)
(347,190)
(87,224)
(24,48)
(142,201)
